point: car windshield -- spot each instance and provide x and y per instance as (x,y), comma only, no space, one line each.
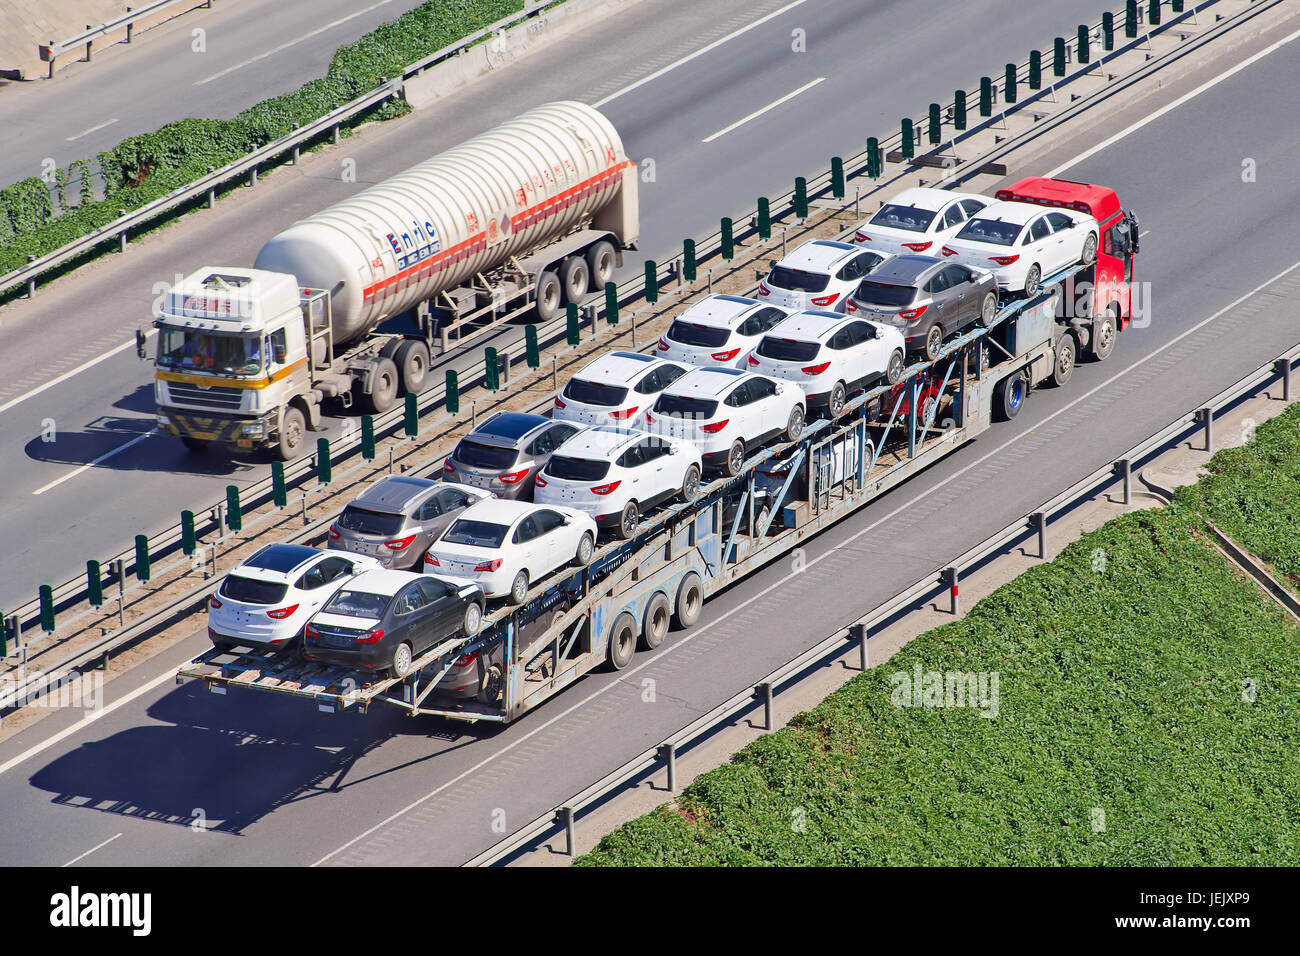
(576,469)
(796,280)
(363,521)
(705,336)
(878,293)
(477,455)
(479,534)
(787,350)
(593,393)
(907,218)
(681,405)
(357,604)
(253,591)
(208,352)
(990,230)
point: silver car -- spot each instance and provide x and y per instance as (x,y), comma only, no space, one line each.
(927,299)
(398,517)
(505,453)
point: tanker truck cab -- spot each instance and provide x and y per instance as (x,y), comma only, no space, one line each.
(232,363)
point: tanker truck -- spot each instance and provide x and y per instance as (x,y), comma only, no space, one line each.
(537,211)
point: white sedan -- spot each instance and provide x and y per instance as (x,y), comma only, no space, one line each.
(616,474)
(507,546)
(719,330)
(919,219)
(1020,243)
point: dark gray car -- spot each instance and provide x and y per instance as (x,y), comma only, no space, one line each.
(927,299)
(505,453)
(398,517)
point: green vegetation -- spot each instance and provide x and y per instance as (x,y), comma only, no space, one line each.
(1147,715)
(146,167)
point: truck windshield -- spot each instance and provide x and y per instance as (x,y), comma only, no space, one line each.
(991,230)
(209,352)
(907,218)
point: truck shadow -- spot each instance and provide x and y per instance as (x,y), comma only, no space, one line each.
(105,437)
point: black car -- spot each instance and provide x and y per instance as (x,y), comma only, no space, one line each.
(382,620)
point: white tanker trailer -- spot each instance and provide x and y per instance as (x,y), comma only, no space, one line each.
(537,210)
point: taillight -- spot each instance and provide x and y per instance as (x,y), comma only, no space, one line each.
(725,356)
(559,404)
(372,637)
(213,602)
(311,631)
(448,467)
(850,305)
(1003,260)
(398,544)
(826,299)
(514,477)
(861,237)
(649,419)
(430,559)
(539,482)
(281,613)
(918,246)
(753,360)
(625,413)
(716,427)
(815,369)
(911,314)
(334,533)
(492,565)
(466,659)
(948,252)
(763,289)
(663,346)
(605,489)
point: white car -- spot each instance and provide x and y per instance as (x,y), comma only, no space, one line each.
(719,330)
(506,546)
(267,599)
(820,274)
(726,412)
(615,389)
(1020,243)
(616,474)
(829,356)
(919,219)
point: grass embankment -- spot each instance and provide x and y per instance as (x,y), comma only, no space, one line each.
(1147,715)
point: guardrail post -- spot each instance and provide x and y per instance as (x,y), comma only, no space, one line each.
(765,691)
(1035,69)
(837,177)
(564,816)
(88,45)
(986,96)
(669,754)
(1058,56)
(728,240)
(954,589)
(212,192)
(1108,31)
(1009,84)
(94,584)
(128,27)
(1040,525)
(1283,368)
(611,303)
(905,130)
(118,568)
(858,633)
(324,468)
(234,513)
(1207,419)
(801,197)
(1125,469)
(189,539)
(935,126)
(1153,12)
(11,625)
(411,416)
(651,282)
(1131,19)
(141,558)
(873,157)
(296,147)
(1085,54)
(451,398)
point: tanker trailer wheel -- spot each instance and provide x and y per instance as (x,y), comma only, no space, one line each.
(601,262)
(548,296)
(412,360)
(574,277)
(383,386)
(292,429)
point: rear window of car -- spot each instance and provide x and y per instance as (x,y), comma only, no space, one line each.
(593,393)
(787,350)
(879,293)
(479,534)
(797,281)
(907,218)
(681,405)
(477,455)
(252,591)
(704,336)
(990,230)
(364,521)
(357,604)
(576,469)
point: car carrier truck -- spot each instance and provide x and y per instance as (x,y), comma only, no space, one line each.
(533,213)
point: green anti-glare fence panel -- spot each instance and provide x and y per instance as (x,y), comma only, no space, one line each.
(491,365)
(986,96)
(234,514)
(1058,56)
(1153,12)
(1131,19)
(532,350)
(728,240)
(324,468)
(688,260)
(452,399)
(94,584)
(837,177)
(935,126)
(572,333)
(1108,31)
(801,197)
(959,110)
(47,608)
(611,303)
(1035,70)
(1009,84)
(189,539)
(873,157)
(368,435)
(279,489)
(909,148)
(141,558)
(411,416)
(651,281)
(1085,51)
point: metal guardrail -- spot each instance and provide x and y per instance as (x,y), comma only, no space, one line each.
(943,578)
(52,50)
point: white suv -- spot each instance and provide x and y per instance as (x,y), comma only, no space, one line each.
(719,330)
(615,389)
(616,474)
(820,274)
(726,412)
(266,600)
(830,356)
(919,219)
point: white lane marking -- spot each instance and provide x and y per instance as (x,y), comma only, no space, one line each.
(285,46)
(1105,144)
(92,850)
(757,113)
(76,371)
(91,464)
(87,132)
(625,675)
(691,56)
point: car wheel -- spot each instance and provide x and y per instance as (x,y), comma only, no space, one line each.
(691,483)
(1066,352)
(1032,278)
(794,427)
(601,262)
(622,641)
(412,360)
(836,404)
(894,371)
(1089,249)
(292,429)
(586,547)
(628,521)
(401,665)
(735,458)
(519,588)
(989,309)
(690,600)
(548,296)
(490,685)
(473,619)
(927,410)
(933,342)
(574,278)
(1103,336)
(382,394)
(1009,395)
(655,624)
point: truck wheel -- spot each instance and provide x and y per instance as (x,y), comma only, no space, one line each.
(1009,395)
(690,600)
(654,626)
(1103,336)
(292,429)
(622,641)
(199,445)
(574,277)
(548,296)
(601,262)
(383,386)
(412,360)
(1065,355)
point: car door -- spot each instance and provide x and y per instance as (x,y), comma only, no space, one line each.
(1069,237)
(552,544)
(936,287)
(632,462)
(737,404)
(441,615)
(525,546)
(407,618)
(770,411)
(1042,246)
(657,460)
(962,305)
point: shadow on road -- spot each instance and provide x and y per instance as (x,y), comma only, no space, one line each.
(108,434)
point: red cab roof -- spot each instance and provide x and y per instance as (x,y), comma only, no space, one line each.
(1100,202)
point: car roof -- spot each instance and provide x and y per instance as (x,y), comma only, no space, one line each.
(930,198)
(381,581)
(393,492)
(280,559)
(708,381)
(903,270)
(820,255)
(619,368)
(509,426)
(603,441)
(1012,212)
(808,326)
(720,311)
(498,510)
